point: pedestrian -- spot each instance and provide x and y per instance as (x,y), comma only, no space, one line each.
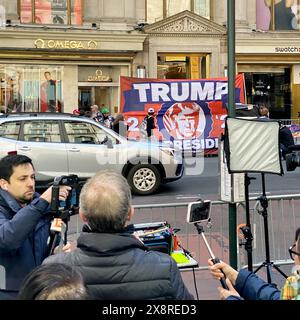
(264,111)
(53,281)
(119,125)
(249,286)
(115,264)
(25,220)
(96,114)
(107,119)
(148,123)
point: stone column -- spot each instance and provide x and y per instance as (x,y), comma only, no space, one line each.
(119,15)
(92,11)
(11,8)
(241,15)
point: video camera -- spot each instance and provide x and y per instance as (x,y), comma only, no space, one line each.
(69,207)
(293,158)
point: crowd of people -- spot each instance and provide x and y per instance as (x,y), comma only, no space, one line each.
(109,261)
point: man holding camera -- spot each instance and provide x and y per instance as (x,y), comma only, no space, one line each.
(115,264)
(25,221)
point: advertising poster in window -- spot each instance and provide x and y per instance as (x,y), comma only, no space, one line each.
(189,114)
(50,92)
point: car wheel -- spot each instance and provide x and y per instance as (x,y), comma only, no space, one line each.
(144,179)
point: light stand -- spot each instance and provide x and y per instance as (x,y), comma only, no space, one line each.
(246,230)
(253,146)
(267,263)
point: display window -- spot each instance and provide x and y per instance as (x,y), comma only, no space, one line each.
(182,66)
(31,88)
(272,89)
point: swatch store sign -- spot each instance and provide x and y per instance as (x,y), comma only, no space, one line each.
(189,113)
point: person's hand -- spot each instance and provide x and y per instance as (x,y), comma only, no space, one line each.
(221,270)
(135,234)
(224,294)
(70,246)
(63,193)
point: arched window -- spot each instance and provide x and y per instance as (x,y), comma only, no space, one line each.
(64,12)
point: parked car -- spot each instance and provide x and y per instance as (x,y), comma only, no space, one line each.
(63,144)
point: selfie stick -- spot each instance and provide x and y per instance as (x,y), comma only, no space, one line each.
(213,258)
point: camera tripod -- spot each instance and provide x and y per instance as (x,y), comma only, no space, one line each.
(267,263)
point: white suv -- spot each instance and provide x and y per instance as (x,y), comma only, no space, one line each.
(62,144)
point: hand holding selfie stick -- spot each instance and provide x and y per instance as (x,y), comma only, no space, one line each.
(213,258)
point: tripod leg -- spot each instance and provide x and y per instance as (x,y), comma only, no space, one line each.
(262,265)
(269,276)
(280,271)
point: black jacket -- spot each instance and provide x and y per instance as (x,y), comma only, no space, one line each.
(120,267)
(150,124)
(23,237)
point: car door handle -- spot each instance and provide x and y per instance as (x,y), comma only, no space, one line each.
(74,150)
(25,148)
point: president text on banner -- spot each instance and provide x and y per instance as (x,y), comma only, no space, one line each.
(189,113)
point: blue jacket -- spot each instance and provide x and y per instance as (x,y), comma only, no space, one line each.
(251,287)
(23,237)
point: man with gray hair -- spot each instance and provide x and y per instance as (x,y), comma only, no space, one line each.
(114,263)
(96,114)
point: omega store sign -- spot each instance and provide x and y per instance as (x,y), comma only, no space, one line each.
(65,44)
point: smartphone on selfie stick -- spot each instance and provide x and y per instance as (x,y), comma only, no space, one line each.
(198,213)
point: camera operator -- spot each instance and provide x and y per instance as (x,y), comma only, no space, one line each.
(286,139)
(25,221)
(249,286)
(114,263)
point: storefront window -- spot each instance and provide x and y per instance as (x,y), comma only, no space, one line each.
(51,11)
(277,14)
(161,9)
(31,89)
(180,66)
(272,88)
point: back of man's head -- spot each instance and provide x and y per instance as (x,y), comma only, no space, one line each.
(105,201)
(8,163)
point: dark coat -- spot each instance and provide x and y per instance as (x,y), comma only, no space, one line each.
(251,287)
(150,124)
(120,267)
(23,237)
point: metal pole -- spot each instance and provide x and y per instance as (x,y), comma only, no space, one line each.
(231,113)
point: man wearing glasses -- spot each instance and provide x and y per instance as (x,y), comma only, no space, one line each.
(247,285)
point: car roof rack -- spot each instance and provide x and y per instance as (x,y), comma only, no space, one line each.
(37,114)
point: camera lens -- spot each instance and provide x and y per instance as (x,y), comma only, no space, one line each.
(292,161)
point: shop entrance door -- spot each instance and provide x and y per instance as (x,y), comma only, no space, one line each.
(85,98)
(99,95)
